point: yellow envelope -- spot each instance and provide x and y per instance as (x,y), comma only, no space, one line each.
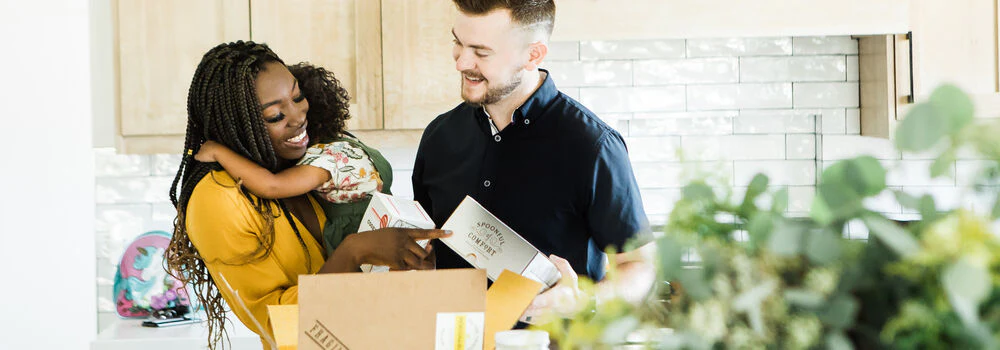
(506,300)
(285,323)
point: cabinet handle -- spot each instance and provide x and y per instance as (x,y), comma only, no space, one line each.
(909,37)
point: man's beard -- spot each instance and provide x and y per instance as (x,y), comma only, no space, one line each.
(494,93)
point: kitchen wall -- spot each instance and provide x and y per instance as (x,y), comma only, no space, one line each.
(727,107)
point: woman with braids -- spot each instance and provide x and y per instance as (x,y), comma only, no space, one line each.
(244,98)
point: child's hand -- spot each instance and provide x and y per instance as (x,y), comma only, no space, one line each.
(206,154)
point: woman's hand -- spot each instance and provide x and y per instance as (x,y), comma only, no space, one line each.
(206,153)
(396,248)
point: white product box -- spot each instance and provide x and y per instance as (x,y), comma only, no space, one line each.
(487,243)
(388,211)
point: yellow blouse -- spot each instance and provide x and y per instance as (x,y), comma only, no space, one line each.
(224,227)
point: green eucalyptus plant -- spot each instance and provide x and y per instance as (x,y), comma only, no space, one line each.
(765,279)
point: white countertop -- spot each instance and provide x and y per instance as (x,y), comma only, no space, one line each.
(130,335)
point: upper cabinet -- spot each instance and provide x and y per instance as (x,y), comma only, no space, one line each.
(341,36)
(950,43)
(419,72)
(159,45)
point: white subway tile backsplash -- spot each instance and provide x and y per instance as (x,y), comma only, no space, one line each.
(712,97)
(132,190)
(768,95)
(800,146)
(734,147)
(165,164)
(793,68)
(780,172)
(400,158)
(884,202)
(633,99)
(687,71)
(826,95)
(836,147)
(833,121)
(739,47)
(945,198)
(824,45)
(563,51)
(775,121)
(715,47)
(573,93)
(618,121)
(682,126)
(659,175)
(660,201)
(916,173)
(109,163)
(631,49)
(852,124)
(402,185)
(653,149)
(800,198)
(117,225)
(598,73)
(853,74)
(967,171)
(780,46)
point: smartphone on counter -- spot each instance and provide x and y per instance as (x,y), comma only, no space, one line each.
(169,322)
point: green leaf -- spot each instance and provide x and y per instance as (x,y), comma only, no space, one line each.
(779,202)
(843,201)
(840,312)
(836,173)
(698,191)
(804,298)
(967,285)
(896,238)
(906,200)
(757,186)
(142,250)
(760,226)
(695,284)
(786,240)
(944,164)
(927,208)
(996,208)
(838,341)
(954,105)
(351,153)
(820,212)
(347,169)
(823,247)
(670,253)
(922,128)
(865,175)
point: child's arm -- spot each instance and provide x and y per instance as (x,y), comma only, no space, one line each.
(290,182)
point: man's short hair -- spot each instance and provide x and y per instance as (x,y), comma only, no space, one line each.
(533,15)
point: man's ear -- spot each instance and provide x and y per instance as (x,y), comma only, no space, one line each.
(536,54)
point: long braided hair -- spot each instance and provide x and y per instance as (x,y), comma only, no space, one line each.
(223,106)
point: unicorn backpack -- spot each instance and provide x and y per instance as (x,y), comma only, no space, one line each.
(142,285)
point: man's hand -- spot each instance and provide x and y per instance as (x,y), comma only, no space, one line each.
(562,299)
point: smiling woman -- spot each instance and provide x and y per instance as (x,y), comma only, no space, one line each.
(247,110)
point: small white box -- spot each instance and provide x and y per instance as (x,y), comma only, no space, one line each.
(487,243)
(388,211)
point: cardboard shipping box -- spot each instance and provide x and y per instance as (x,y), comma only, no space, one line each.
(487,243)
(443,309)
(393,310)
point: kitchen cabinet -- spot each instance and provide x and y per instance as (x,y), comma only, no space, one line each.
(949,43)
(159,45)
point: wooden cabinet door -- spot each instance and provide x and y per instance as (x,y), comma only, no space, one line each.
(339,35)
(419,73)
(159,46)
(957,43)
